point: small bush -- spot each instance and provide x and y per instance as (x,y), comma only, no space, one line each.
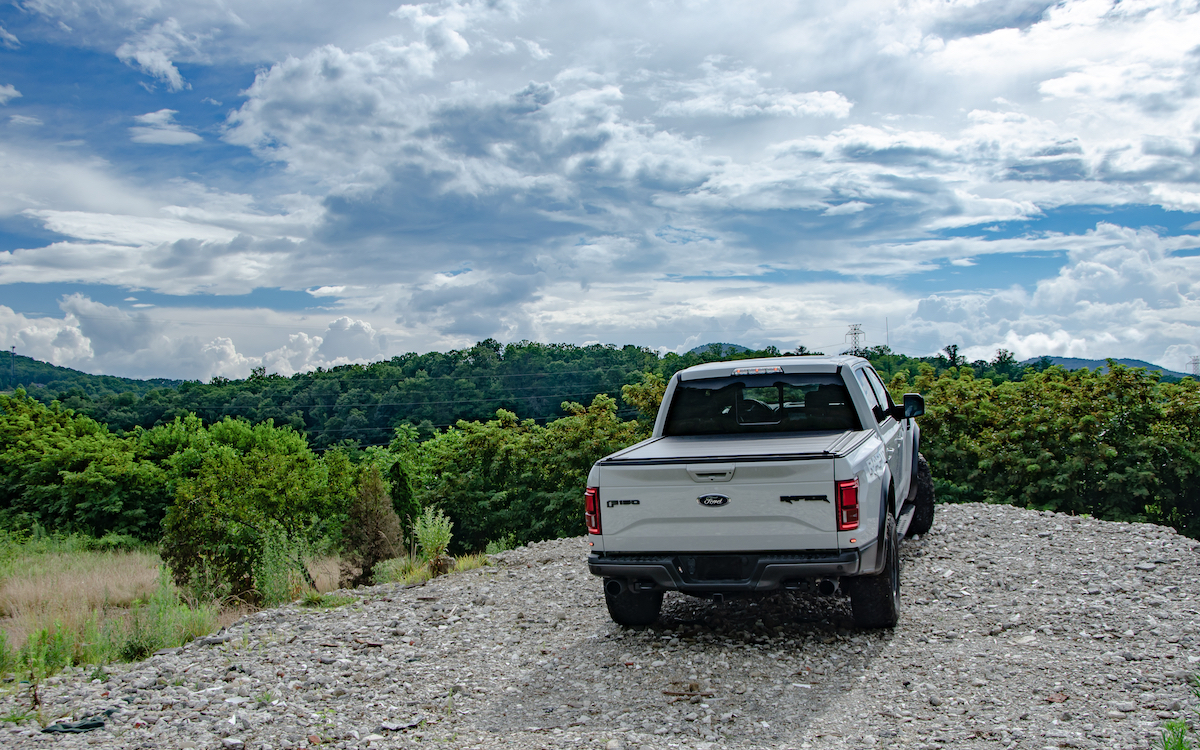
(504,543)
(8,659)
(406,570)
(469,562)
(206,586)
(46,651)
(1175,735)
(280,572)
(325,601)
(432,531)
(165,621)
(373,533)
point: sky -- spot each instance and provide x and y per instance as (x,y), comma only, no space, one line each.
(194,189)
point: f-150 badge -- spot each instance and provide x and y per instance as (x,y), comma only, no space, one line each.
(713,501)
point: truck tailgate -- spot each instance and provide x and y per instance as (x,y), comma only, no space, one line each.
(722,494)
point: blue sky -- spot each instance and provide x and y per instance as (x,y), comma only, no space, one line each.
(196,189)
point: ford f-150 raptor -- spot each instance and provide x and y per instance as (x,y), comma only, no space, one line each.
(761,474)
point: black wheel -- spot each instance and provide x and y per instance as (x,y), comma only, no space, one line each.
(875,599)
(922,520)
(631,608)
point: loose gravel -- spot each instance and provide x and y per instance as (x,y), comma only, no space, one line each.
(1020,629)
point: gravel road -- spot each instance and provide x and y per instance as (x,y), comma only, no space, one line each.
(1019,630)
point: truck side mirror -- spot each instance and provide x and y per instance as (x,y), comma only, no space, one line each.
(914,405)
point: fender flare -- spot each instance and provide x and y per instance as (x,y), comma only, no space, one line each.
(872,561)
(912,478)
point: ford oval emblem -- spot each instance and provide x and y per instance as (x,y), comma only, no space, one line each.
(713,501)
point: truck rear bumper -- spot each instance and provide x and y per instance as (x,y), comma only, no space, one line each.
(724,573)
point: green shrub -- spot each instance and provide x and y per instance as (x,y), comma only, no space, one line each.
(1117,445)
(373,532)
(8,659)
(252,484)
(280,569)
(165,621)
(496,546)
(432,530)
(512,477)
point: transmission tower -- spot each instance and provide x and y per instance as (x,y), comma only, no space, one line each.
(1194,363)
(855,336)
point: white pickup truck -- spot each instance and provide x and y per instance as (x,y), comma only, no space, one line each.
(761,474)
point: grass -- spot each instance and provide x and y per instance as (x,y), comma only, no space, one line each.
(1176,734)
(410,570)
(325,601)
(65,581)
(71,600)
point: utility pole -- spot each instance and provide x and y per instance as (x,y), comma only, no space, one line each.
(855,336)
(12,360)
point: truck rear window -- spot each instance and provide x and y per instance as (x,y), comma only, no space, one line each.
(761,404)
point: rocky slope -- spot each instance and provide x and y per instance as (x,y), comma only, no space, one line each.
(1020,630)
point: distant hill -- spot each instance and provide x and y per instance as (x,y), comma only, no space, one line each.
(31,374)
(726,348)
(1074,363)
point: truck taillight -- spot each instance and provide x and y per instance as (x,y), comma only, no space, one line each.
(847,504)
(591,510)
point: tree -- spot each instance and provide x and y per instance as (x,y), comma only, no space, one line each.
(373,532)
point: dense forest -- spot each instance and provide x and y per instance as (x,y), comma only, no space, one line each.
(500,438)
(361,405)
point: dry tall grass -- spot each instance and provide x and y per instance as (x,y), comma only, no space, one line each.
(71,588)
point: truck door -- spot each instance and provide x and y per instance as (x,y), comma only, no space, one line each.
(890,431)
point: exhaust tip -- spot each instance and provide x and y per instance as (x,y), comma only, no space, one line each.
(827,586)
(613,587)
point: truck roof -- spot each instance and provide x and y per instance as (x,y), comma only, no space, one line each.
(807,363)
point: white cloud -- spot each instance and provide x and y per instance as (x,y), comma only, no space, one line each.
(7,39)
(435,175)
(8,92)
(1123,293)
(160,127)
(155,50)
(739,93)
(24,120)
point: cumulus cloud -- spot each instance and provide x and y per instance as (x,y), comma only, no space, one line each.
(8,92)
(437,176)
(1124,290)
(160,127)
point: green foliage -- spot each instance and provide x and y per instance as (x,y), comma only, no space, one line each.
(1175,735)
(1116,445)
(496,546)
(164,621)
(646,397)
(512,477)
(248,490)
(280,569)
(405,569)
(373,532)
(312,598)
(67,472)
(433,532)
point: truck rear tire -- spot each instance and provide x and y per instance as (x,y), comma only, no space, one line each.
(875,600)
(922,520)
(634,609)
